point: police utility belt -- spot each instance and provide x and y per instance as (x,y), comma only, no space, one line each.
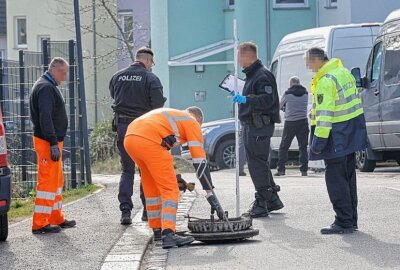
(258,120)
(121,119)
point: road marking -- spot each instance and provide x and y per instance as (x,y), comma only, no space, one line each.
(396,189)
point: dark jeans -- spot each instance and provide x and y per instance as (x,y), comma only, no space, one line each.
(291,129)
(127,170)
(257,146)
(340,177)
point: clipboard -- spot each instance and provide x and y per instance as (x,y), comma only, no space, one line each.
(228,84)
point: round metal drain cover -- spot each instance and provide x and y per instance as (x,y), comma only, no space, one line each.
(223,237)
(212,226)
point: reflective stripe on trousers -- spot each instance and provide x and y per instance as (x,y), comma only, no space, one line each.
(50,182)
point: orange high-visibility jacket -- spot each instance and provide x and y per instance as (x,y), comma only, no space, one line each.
(160,123)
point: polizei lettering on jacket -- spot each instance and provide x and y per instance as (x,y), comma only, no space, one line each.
(130,78)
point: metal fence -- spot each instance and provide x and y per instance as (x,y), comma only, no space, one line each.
(16,81)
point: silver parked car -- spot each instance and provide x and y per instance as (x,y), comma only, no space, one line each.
(219,144)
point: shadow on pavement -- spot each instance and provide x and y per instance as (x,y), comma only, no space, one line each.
(378,253)
(222,252)
(285,236)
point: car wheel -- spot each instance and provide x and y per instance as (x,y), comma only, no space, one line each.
(363,163)
(225,154)
(3,227)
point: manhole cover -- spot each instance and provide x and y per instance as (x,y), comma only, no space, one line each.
(223,237)
(211,226)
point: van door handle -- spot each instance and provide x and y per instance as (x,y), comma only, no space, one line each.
(376,92)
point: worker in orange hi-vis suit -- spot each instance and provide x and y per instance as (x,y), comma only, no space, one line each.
(148,141)
(50,122)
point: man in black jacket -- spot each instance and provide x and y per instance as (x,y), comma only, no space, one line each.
(136,91)
(50,123)
(294,103)
(258,113)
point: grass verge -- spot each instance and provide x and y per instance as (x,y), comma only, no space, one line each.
(23,208)
(108,167)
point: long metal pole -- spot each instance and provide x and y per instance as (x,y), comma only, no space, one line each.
(236,42)
(22,112)
(269,33)
(96,117)
(81,87)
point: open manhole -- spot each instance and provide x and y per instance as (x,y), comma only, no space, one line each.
(215,231)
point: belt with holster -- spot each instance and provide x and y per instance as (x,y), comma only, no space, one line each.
(258,120)
(123,119)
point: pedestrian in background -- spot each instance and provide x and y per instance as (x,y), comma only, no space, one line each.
(50,123)
(136,91)
(294,103)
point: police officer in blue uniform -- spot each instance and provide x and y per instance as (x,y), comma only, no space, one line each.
(136,91)
(258,113)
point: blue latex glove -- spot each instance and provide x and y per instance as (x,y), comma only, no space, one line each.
(239,99)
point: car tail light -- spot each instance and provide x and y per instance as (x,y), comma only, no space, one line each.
(3,203)
(3,144)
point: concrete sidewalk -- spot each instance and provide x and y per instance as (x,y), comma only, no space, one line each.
(84,247)
(290,238)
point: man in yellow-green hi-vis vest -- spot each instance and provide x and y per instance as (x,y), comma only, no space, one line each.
(338,130)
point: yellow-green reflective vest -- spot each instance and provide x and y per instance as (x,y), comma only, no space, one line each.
(335,97)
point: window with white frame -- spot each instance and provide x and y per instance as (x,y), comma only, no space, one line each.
(290,3)
(230,4)
(126,23)
(20,32)
(331,3)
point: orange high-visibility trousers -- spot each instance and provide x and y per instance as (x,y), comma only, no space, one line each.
(158,179)
(50,182)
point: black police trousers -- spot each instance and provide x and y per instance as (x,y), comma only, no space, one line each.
(257,146)
(291,129)
(127,169)
(340,177)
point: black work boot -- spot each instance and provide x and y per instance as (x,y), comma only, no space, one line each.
(170,240)
(144,215)
(336,229)
(259,207)
(280,173)
(126,217)
(157,235)
(68,224)
(213,201)
(48,229)
(275,202)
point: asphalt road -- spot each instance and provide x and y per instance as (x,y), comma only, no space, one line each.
(83,247)
(290,238)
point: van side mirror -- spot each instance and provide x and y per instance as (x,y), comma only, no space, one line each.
(356,72)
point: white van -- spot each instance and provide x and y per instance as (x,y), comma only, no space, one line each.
(351,43)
